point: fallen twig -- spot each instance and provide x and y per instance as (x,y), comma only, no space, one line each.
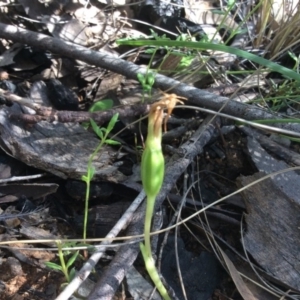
(195,96)
(50,115)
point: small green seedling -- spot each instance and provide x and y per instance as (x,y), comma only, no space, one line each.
(102,133)
(65,266)
(146,81)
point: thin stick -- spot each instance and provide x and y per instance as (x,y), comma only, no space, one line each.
(130,70)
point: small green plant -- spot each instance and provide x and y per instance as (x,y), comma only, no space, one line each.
(146,81)
(283,94)
(64,266)
(152,174)
(102,133)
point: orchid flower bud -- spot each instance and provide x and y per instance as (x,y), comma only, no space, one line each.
(153,164)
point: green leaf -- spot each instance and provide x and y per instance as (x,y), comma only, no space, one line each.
(150,78)
(94,126)
(112,142)
(84,178)
(69,244)
(102,105)
(85,125)
(96,129)
(66,252)
(112,122)
(147,87)
(185,62)
(141,78)
(210,46)
(150,51)
(72,273)
(91,248)
(154,34)
(53,266)
(100,134)
(72,259)
(230,3)
(91,173)
(293,56)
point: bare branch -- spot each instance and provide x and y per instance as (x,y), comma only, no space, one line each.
(130,70)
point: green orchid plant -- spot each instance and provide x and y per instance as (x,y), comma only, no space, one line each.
(152,174)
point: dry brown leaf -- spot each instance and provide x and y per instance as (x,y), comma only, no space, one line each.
(237,279)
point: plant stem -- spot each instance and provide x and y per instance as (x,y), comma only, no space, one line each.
(148,221)
(62,261)
(86,207)
(88,186)
(147,253)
